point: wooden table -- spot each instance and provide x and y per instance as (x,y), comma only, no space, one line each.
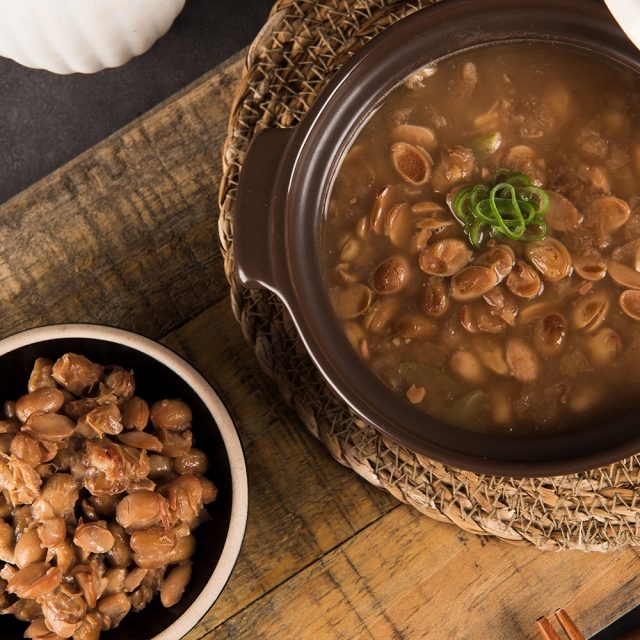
(126,235)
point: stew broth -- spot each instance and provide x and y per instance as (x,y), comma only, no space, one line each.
(508,336)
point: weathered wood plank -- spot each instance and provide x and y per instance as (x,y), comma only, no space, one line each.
(302,502)
(407,577)
(327,555)
(125,234)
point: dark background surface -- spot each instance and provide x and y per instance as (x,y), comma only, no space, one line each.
(48,119)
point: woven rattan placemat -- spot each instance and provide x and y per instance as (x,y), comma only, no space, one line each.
(300,47)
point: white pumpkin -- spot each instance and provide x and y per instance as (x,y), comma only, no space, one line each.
(85,36)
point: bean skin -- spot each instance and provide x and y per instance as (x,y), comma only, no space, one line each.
(52,532)
(104,419)
(26,447)
(174,444)
(195,462)
(183,550)
(135,414)
(141,597)
(209,490)
(38,630)
(7,537)
(63,612)
(120,554)
(48,451)
(6,440)
(121,383)
(94,537)
(173,415)
(105,505)
(153,542)
(77,373)
(115,577)
(50,426)
(161,468)
(175,584)
(10,426)
(22,520)
(9,410)
(58,498)
(43,400)
(184,495)
(20,481)
(41,375)
(89,628)
(65,554)
(116,606)
(134,578)
(29,549)
(75,409)
(35,580)
(7,542)
(141,510)
(141,440)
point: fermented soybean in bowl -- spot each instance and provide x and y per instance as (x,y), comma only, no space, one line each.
(159,373)
(550,344)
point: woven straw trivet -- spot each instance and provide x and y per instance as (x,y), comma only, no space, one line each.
(300,47)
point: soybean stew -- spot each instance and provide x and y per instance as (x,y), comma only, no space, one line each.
(481,244)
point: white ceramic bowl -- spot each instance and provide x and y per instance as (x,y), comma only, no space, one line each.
(627,15)
(159,373)
(67,36)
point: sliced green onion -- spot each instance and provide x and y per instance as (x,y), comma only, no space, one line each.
(459,205)
(487,143)
(512,207)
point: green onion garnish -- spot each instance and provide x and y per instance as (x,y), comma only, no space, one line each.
(487,143)
(513,207)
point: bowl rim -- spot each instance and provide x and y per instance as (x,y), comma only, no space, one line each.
(237,463)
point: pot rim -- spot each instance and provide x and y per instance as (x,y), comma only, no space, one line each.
(312,154)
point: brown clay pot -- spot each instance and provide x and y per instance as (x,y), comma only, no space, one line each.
(285,183)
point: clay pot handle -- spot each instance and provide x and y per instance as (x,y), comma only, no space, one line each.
(256,236)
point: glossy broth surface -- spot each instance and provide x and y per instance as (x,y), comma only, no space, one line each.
(509,336)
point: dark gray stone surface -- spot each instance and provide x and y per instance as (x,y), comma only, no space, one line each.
(48,119)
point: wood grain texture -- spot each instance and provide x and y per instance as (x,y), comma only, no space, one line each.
(408,577)
(328,556)
(302,502)
(125,234)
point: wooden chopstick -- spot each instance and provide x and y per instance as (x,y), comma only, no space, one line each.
(549,633)
(546,630)
(568,625)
